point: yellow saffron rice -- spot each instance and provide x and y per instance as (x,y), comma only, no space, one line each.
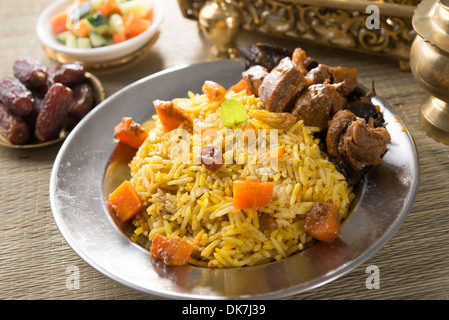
(187,202)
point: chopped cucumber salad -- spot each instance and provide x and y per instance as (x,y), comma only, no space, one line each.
(99,23)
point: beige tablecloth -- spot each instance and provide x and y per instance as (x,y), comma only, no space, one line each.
(34,257)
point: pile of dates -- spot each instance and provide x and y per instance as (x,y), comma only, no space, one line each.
(39,102)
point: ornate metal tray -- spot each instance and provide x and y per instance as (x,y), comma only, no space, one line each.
(336,23)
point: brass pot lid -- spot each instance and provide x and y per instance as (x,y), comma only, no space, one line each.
(431,22)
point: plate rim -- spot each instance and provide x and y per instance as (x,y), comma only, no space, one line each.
(336,273)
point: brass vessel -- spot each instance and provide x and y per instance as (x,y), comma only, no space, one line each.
(429,62)
(219,21)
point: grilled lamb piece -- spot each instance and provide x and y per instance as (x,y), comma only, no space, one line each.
(337,128)
(346,76)
(254,76)
(318,103)
(319,74)
(354,144)
(311,63)
(363,144)
(281,85)
(263,54)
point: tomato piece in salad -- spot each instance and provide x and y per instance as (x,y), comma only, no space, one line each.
(92,23)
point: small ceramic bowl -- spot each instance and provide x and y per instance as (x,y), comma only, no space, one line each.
(96,58)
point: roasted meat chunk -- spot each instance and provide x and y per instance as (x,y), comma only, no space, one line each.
(281,85)
(254,77)
(319,74)
(347,76)
(263,54)
(337,128)
(363,145)
(355,144)
(318,103)
(311,63)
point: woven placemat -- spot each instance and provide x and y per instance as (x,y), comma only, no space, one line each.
(37,263)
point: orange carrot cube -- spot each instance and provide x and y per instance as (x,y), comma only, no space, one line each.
(130,133)
(251,194)
(171,251)
(125,201)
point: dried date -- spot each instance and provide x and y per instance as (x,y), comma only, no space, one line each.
(12,126)
(37,103)
(68,74)
(30,72)
(82,101)
(32,117)
(16,96)
(53,112)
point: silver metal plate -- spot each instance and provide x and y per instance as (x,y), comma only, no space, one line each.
(81,178)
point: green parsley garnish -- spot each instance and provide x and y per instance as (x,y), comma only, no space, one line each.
(233,112)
